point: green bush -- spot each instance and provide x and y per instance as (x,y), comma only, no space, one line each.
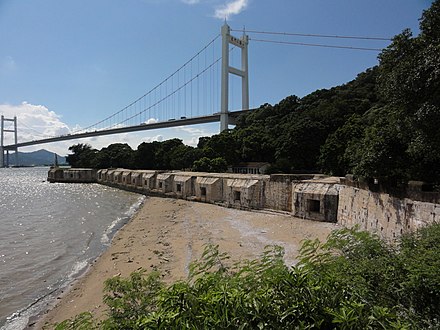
(352,281)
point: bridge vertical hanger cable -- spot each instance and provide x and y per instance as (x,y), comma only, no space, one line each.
(156,102)
(121,116)
(161,107)
(198,88)
(171,94)
(179,106)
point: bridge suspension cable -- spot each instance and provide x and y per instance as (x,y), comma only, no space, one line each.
(189,96)
(193,89)
(181,94)
(315,35)
(308,35)
(316,45)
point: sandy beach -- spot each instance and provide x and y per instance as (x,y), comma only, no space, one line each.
(167,234)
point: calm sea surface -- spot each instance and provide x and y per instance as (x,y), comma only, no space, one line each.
(49,233)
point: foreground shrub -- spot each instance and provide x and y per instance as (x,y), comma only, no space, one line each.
(352,281)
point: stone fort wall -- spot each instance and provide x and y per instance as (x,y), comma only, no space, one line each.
(313,197)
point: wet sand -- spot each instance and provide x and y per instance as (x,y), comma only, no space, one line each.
(167,234)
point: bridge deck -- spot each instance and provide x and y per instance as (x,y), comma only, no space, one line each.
(143,127)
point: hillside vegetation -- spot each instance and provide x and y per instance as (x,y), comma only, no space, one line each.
(383,125)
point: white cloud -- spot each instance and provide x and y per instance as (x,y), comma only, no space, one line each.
(234,7)
(192,130)
(36,122)
(33,122)
(149,139)
(151,121)
(191,134)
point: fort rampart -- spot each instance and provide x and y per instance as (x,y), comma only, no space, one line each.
(313,197)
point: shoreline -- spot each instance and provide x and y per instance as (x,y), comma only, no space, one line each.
(167,235)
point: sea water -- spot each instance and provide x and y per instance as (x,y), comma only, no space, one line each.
(49,234)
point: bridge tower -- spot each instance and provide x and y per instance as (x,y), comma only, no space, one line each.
(2,135)
(242,43)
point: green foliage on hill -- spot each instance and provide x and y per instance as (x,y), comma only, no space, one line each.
(352,281)
(166,155)
(383,124)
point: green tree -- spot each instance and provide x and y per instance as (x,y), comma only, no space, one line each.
(300,144)
(116,155)
(145,157)
(381,151)
(82,155)
(182,157)
(410,81)
(205,164)
(335,157)
(224,145)
(164,153)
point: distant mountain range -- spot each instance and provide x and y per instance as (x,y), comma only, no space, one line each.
(36,158)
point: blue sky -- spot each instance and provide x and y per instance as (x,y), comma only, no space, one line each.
(67,64)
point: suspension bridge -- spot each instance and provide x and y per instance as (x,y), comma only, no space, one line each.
(189,96)
(196,93)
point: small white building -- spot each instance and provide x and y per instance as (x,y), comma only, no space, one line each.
(183,185)
(164,182)
(136,179)
(102,175)
(149,180)
(315,200)
(117,176)
(245,192)
(209,189)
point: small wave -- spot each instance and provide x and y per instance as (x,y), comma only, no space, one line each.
(135,207)
(109,232)
(20,320)
(105,238)
(77,269)
(16,321)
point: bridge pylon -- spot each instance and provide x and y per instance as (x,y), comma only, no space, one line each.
(242,43)
(2,140)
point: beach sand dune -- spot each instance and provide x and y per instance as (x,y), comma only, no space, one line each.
(168,234)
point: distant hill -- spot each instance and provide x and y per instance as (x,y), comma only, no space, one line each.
(36,158)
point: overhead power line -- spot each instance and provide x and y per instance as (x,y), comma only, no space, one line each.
(316,45)
(315,35)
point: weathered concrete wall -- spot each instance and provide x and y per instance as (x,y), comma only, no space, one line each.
(148,181)
(310,197)
(164,182)
(244,193)
(183,185)
(388,216)
(117,176)
(278,194)
(208,189)
(136,179)
(126,177)
(67,175)
(315,201)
